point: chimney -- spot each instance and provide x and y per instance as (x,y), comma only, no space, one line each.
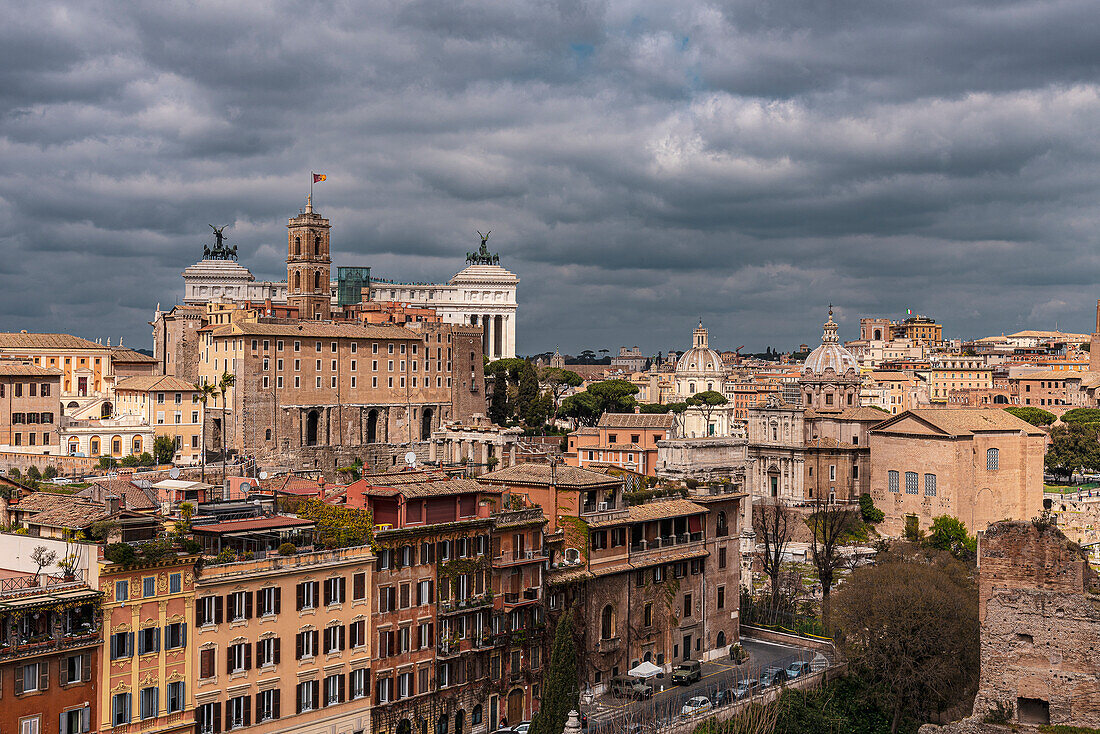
(113,504)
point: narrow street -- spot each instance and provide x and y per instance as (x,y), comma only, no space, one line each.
(608,714)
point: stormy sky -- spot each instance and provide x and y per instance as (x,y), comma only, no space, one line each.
(641,164)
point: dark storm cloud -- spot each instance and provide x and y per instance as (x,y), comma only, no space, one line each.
(641,164)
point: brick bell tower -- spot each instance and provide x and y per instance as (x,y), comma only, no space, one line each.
(308,264)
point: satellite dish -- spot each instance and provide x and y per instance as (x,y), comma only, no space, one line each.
(410,458)
(263,475)
(174,472)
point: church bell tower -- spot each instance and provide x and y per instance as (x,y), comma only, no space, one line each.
(308,264)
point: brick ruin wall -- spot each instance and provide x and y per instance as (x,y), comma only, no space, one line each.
(1039,615)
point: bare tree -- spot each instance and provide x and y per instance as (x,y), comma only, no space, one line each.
(42,557)
(829,522)
(773,525)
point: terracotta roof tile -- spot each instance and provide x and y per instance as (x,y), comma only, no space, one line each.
(637,420)
(134,497)
(145,383)
(14,369)
(961,421)
(131,356)
(256,523)
(661,510)
(562,475)
(22,340)
(60,510)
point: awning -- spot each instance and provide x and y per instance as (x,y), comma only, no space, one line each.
(644,670)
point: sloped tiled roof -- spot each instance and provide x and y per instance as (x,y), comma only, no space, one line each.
(133,497)
(437,489)
(256,523)
(661,510)
(15,369)
(131,356)
(60,510)
(145,383)
(25,340)
(637,420)
(958,421)
(562,475)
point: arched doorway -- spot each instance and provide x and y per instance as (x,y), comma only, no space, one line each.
(372,426)
(441,725)
(721,641)
(515,706)
(426,424)
(1000,400)
(607,623)
(404,727)
(312,418)
(74,446)
(460,722)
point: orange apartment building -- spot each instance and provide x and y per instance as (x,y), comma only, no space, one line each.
(85,365)
(284,643)
(30,408)
(625,440)
(145,681)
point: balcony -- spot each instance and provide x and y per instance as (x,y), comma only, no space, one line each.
(520,598)
(453,606)
(518,517)
(611,644)
(516,557)
(668,541)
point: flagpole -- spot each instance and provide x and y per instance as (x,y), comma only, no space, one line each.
(311,185)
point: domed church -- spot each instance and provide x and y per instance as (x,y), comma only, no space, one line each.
(700,368)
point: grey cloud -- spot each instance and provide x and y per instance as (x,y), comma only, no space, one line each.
(641,164)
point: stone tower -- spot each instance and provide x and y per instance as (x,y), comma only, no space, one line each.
(1094,344)
(308,264)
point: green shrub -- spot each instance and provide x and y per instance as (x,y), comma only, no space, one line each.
(146,459)
(50,472)
(33,474)
(287,549)
(868,510)
(191,546)
(120,553)
(129,461)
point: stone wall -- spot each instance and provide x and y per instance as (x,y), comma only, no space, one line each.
(66,465)
(1039,615)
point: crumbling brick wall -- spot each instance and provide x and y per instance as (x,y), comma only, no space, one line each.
(1039,616)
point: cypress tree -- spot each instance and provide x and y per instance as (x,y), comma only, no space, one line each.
(560,694)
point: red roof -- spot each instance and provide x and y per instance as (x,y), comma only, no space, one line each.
(259,523)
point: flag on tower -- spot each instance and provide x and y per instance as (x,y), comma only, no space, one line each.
(319,177)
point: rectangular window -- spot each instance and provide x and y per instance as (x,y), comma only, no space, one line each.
(120,709)
(268,600)
(892,480)
(208,718)
(206,663)
(149,586)
(929,485)
(307,695)
(174,583)
(122,590)
(239,656)
(122,645)
(267,705)
(334,690)
(237,713)
(175,635)
(148,640)
(687,605)
(308,595)
(31,678)
(721,597)
(357,681)
(267,652)
(150,702)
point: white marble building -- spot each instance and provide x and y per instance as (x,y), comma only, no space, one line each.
(482,294)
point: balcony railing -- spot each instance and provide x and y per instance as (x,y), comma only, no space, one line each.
(528,555)
(610,644)
(36,646)
(667,541)
(513,598)
(449,606)
(42,581)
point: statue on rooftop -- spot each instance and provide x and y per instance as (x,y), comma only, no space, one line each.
(219,251)
(483,256)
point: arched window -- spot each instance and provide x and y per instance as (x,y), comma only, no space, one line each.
(297,245)
(721,525)
(475,716)
(992,459)
(74,446)
(607,623)
(297,281)
(317,245)
(316,281)
(137,445)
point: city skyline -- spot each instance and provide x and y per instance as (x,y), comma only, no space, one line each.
(649,164)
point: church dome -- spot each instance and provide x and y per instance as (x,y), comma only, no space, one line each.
(831,354)
(700,360)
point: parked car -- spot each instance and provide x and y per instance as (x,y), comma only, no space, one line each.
(772,676)
(521,727)
(61,480)
(504,730)
(625,686)
(687,672)
(797,668)
(723,696)
(745,687)
(696,705)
